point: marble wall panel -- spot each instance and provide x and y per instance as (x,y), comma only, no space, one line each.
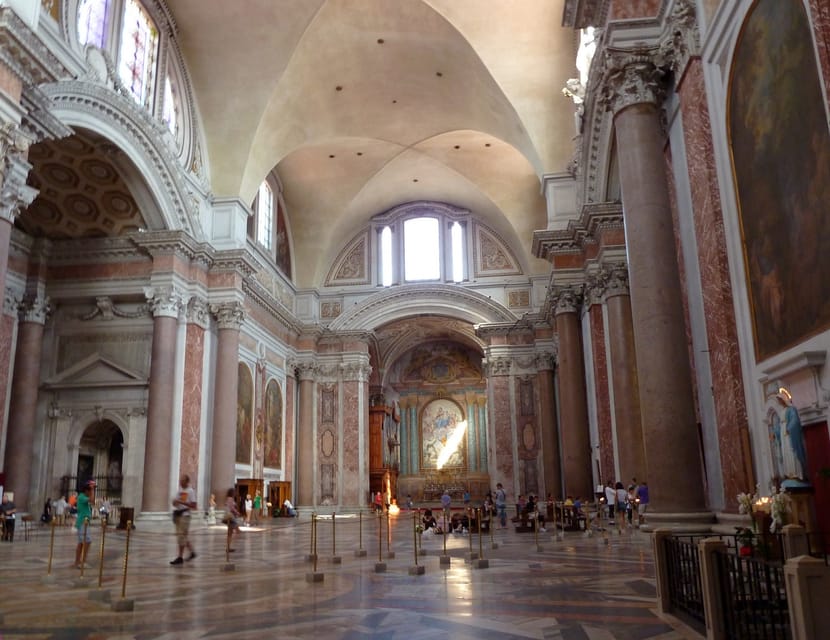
(503,430)
(290,427)
(602,398)
(6,333)
(820,16)
(629,9)
(192,399)
(351,486)
(721,329)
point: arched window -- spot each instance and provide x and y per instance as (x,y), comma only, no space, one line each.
(139,52)
(92,22)
(422,249)
(265,216)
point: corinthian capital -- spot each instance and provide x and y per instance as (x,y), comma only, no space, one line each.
(15,194)
(35,309)
(633,77)
(164,301)
(567,300)
(615,278)
(229,315)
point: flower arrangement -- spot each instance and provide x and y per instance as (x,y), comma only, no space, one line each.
(780,506)
(746,502)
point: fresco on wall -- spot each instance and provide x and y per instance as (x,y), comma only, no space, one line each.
(273,425)
(443,435)
(781,161)
(244,415)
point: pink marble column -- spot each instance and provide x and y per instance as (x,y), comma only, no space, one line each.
(165,304)
(14,196)
(551,468)
(23,402)
(305,440)
(573,407)
(229,318)
(632,456)
(673,456)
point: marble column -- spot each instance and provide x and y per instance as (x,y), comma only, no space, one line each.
(165,304)
(15,195)
(23,402)
(502,424)
(229,317)
(573,404)
(551,467)
(632,456)
(634,90)
(305,435)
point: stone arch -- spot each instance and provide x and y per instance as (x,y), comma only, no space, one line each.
(395,303)
(156,176)
(101,437)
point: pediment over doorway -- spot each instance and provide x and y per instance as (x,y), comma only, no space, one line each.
(96,371)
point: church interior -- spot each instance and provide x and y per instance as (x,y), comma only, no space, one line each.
(319,250)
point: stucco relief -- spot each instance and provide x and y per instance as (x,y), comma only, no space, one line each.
(352,266)
(493,256)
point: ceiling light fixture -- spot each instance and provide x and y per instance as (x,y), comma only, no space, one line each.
(338,88)
(380,41)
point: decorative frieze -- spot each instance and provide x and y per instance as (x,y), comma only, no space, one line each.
(107,310)
(498,366)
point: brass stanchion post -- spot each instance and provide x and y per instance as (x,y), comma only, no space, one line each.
(124,604)
(360,552)
(51,548)
(380,565)
(101,595)
(84,547)
(389,553)
(334,557)
(416,569)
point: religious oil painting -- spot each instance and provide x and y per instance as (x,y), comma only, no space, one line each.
(244,415)
(780,148)
(443,435)
(273,425)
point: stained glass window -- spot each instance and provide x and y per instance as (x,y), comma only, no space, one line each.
(92,21)
(137,60)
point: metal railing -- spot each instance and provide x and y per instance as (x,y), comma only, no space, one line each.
(753,597)
(683,574)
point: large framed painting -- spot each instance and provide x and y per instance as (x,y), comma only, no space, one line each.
(244,415)
(273,425)
(443,435)
(780,145)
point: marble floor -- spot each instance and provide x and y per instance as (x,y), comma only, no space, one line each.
(574,588)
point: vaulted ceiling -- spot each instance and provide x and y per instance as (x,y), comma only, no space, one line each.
(358,106)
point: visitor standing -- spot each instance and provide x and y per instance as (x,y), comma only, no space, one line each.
(183,502)
(501,505)
(83,518)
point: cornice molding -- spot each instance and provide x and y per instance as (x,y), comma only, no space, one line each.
(595,217)
(25,54)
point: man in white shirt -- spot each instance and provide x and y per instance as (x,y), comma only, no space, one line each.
(183,502)
(611,500)
(289,508)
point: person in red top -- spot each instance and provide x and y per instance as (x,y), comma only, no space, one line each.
(378,502)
